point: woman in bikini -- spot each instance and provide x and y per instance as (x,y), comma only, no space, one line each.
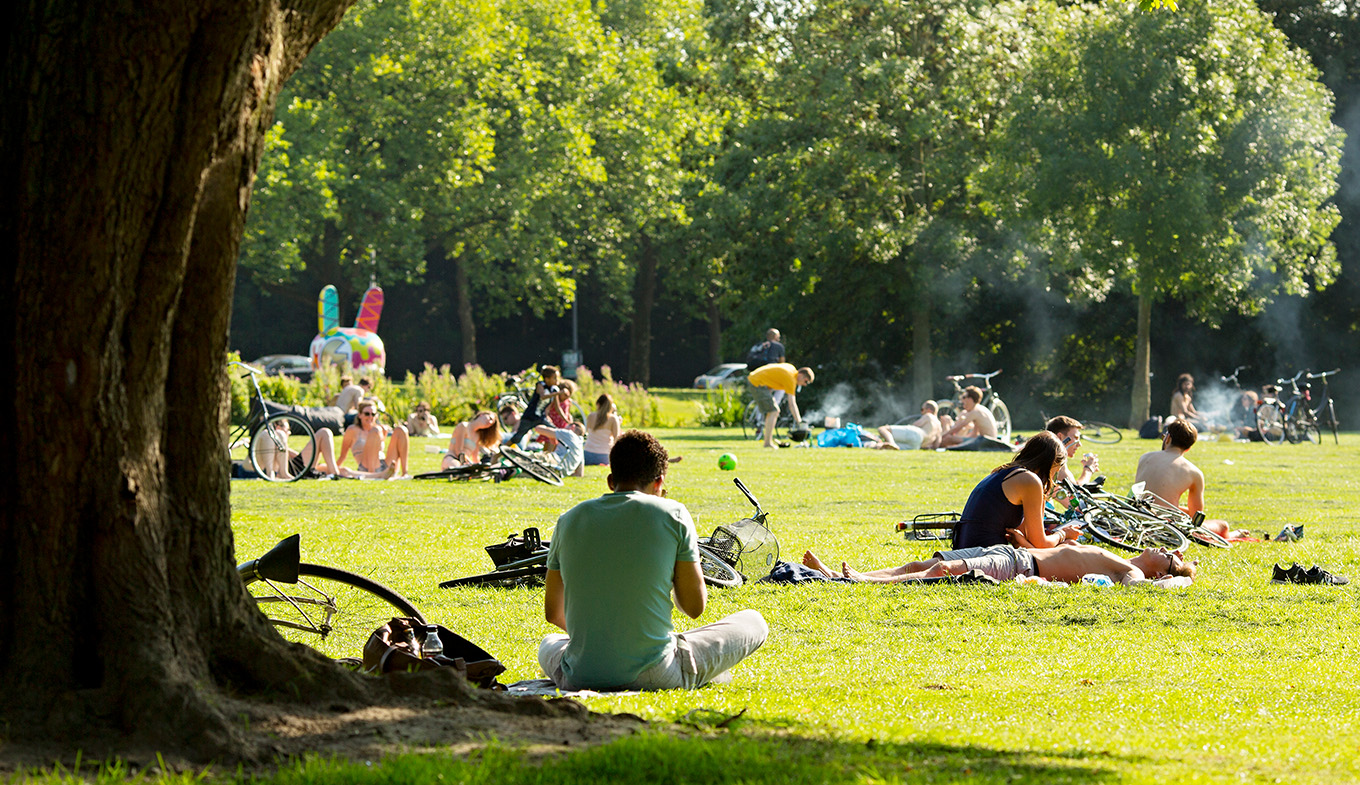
(365,439)
(472,439)
(1012,497)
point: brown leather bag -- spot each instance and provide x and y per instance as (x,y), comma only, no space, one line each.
(389,649)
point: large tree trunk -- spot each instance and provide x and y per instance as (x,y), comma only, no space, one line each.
(467,328)
(132,132)
(644,295)
(1141,398)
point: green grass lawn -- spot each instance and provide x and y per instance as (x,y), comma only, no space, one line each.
(1234,679)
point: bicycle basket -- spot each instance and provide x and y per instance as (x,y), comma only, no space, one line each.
(747,545)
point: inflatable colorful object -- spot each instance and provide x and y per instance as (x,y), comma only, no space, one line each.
(356,346)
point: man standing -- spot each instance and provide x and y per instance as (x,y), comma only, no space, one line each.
(1169,474)
(612,565)
(770,384)
(768,351)
(973,422)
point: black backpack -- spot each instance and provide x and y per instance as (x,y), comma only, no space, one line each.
(756,355)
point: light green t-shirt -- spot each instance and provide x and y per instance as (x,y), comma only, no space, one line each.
(617,557)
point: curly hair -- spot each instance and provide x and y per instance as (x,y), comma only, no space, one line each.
(637,459)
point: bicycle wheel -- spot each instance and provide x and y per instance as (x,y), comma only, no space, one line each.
(1307,432)
(472,471)
(531,466)
(1002,415)
(716,571)
(752,422)
(1270,423)
(283,448)
(1101,433)
(1133,534)
(332,610)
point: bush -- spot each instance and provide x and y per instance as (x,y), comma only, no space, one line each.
(722,408)
(637,407)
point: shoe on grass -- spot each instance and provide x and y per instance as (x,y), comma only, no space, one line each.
(1282,575)
(1316,574)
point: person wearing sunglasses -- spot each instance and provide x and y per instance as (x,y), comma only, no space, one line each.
(422,422)
(365,439)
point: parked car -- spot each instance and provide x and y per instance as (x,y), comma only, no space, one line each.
(285,365)
(725,375)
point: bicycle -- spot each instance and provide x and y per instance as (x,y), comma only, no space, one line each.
(1119,521)
(264,439)
(513,461)
(1328,417)
(1280,418)
(329,609)
(991,400)
(753,423)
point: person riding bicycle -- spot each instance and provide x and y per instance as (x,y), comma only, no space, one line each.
(975,420)
(770,384)
(612,565)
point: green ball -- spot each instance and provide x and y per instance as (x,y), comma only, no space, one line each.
(727,462)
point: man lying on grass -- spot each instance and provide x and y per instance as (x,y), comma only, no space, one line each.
(1066,563)
(612,565)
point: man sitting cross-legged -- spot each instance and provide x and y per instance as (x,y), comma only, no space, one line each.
(612,565)
(1067,563)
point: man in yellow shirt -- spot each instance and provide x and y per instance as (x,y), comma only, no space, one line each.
(770,384)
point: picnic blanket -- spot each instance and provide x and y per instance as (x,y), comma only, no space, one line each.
(789,573)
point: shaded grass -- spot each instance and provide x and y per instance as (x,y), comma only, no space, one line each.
(1233,679)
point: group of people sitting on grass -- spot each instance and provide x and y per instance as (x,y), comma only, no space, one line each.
(617,624)
(1001,530)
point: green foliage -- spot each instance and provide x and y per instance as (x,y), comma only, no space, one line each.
(722,408)
(637,407)
(287,390)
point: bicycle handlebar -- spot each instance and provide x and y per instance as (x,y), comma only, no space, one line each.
(982,376)
(249,368)
(1324,374)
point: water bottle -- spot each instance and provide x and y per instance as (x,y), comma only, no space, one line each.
(433,647)
(1096,579)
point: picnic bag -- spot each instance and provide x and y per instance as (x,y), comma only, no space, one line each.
(389,649)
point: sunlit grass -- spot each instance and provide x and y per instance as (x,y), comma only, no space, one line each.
(1233,679)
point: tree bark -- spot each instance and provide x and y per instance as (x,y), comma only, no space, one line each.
(644,295)
(1141,398)
(467,328)
(132,132)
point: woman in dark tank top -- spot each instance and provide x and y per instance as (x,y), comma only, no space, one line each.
(1012,497)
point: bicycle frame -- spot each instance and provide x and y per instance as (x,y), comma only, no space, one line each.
(280,565)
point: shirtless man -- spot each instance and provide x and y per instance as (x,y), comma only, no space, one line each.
(1067,564)
(1183,401)
(974,421)
(1169,474)
(923,432)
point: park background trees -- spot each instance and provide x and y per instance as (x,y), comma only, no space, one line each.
(861,174)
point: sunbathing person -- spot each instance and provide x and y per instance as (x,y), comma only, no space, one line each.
(472,440)
(287,463)
(973,421)
(365,439)
(1067,564)
(1012,498)
(922,434)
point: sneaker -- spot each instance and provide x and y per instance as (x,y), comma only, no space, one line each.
(1298,532)
(1316,574)
(1282,575)
(784,444)
(1286,534)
